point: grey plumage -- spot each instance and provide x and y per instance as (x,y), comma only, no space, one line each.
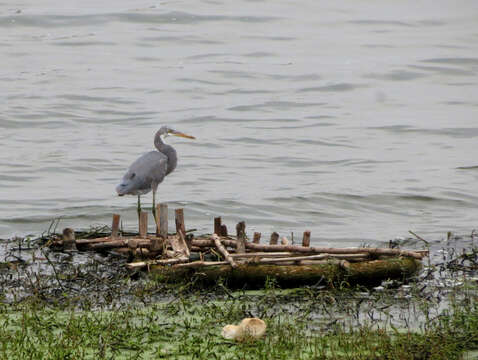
(149,170)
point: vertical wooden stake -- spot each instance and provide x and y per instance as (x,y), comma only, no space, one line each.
(180,227)
(223,230)
(274,238)
(306,238)
(162,214)
(115,226)
(217,226)
(241,237)
(69,239)
(257,238)
(143,224)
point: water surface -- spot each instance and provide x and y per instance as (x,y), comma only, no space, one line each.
(355,120)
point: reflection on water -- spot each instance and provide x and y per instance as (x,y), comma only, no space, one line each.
(359,123)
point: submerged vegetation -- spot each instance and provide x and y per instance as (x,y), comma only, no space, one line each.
(85,306)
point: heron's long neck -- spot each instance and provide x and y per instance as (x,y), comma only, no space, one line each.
(168,151)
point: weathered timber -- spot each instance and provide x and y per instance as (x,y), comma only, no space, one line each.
(330,273)
(418,254)
(69,239)
(284,241)
(179,246)
(142,264)
(222,250)
(306,239)
(241,237)
(143,224)
(132,243)
(274,238)
(223,230)
(179,216)
(318,250)
(217,225)
(257,238)
(162,214)
(115,226)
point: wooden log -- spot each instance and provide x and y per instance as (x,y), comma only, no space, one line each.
(274,238)
(223,230)
(162,215)
(199,264)
(157,244)
(241,237)
(306,239)
(284,241)
(142,264)
(318,250)
(179,216)
(418,254)
(330,273)
(222,250)
(257,238)
(115,226)
(69,239)
(184,244)
(121,243)
(179,246)
(217,225)
(295,256)
(143,224)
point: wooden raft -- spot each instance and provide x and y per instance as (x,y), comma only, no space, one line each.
(245,263)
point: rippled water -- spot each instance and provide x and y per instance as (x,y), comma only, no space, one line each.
(356,120)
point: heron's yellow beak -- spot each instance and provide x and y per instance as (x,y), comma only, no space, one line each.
(180,134)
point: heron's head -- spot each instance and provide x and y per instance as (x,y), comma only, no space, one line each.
(166,131)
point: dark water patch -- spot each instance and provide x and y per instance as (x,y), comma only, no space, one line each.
(333,88)
(181,40)
(234,74)
(273,38)
(83,43)
(378,46)
(97,99)
(274,105)
(202,82)
(175,17)
(297,78)
(453,61)
(472,167)
(241,91)
(323,143)
(396,75)
(451,132)
(259,54)
(380,22)
(444,70)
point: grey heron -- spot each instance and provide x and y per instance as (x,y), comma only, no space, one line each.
(149,170)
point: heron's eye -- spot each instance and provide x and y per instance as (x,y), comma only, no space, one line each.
(133,175)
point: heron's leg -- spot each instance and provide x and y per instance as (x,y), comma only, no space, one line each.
(139,207)
(153,210)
